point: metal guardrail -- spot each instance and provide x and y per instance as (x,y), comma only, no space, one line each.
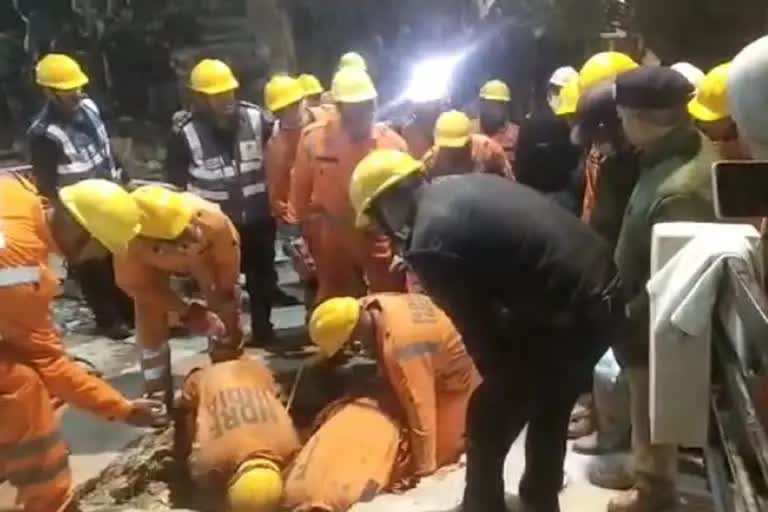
(737,460)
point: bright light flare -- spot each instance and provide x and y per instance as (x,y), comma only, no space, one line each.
(431,79)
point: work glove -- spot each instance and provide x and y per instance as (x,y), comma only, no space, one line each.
(147,413)
(203,322)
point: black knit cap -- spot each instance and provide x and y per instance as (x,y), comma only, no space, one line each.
(652,87)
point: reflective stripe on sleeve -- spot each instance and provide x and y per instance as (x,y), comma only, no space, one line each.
(416,350)
(19,275)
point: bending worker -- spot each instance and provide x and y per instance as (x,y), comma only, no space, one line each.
(329,474)
(68,143)
(456,147)
(217,152)
(493,118)
(181,234)
(533,292)
(82,222)
(328,152)
(423,358)
(237,434)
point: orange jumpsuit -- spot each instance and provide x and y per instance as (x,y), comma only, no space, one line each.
(278,163)
(357,452)
(345,257)
(428,367)
(591,169)
(507,139)
(487,156)
(143,271)
(419,141)
(232,414)
(33,364)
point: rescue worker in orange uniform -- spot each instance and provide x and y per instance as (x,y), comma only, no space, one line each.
(330,475)
(237,434)
(421,354)
(348,261)
(181,234)
(83,221)
(313,89)
(493,119)
(456,147)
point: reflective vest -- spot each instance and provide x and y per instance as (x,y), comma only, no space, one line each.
(83,142)
(233,178)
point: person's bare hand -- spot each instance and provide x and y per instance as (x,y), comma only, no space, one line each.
(147,413)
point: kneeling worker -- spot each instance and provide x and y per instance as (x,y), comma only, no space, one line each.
(83,221)
(237,433)
(330,475)
(181,234)
(423,358)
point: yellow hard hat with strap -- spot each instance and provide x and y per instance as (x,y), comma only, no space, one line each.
(257,486)
(711,100)
(375,174)
(332,324)
(568,99)
(60,72)
(452,130)
(495,90)
(310,84)
(604,66)
(105,210)
(282,91)
(211,76)
(352,60)
(353,85)
(164,213)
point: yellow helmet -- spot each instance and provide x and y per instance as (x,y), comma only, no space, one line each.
(452,129)
(257,486)
(332,323)
(310,84)
(352,60)
(603,66)
(353,85)
(495,90)
(164,213)
(106,211)
(376,173)
(59,72)
(282,91)
(211,76)
(711,100)
(568,99)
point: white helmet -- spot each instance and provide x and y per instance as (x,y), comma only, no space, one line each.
(690,72)
(748,95)
(563,75)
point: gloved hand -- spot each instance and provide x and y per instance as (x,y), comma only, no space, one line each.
(201,321)
(147,413)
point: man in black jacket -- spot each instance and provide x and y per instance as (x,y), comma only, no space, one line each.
(533,291)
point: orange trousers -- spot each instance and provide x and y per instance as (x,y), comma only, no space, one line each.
(451,425)
(350,459)
(152,339)
(350,263)
(32,457)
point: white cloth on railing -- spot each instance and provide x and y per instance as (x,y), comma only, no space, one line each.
(685,289)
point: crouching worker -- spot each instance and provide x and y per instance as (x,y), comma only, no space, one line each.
(237,433)
(422,356)
(357,452)
(82,221)
(181,234)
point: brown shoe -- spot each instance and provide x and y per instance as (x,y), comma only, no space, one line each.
(639,499)
(610,474)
